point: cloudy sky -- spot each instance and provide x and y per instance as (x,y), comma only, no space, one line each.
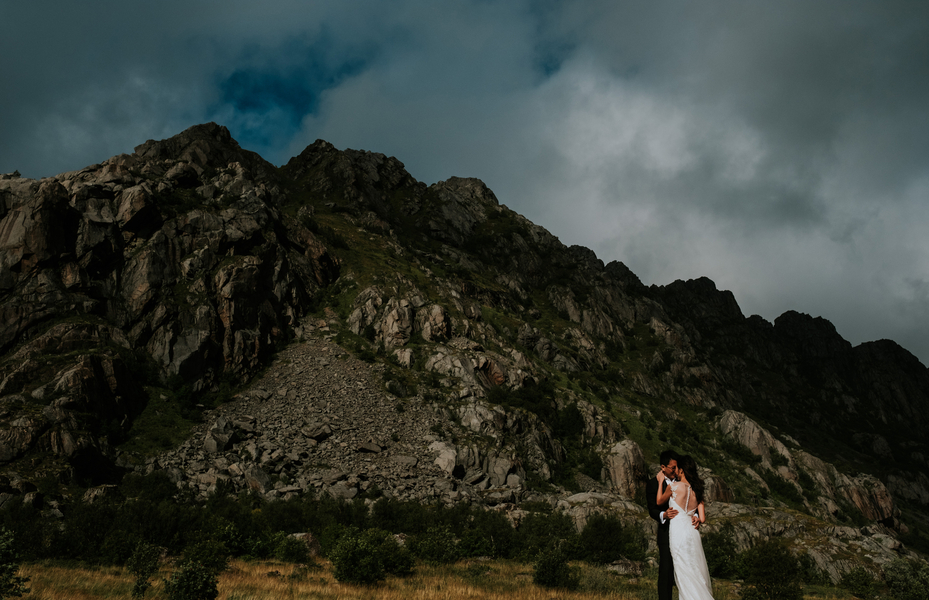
(779,148)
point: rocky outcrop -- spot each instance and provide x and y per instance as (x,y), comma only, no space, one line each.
(68,392)
(835,550)
(805,378)
(626,466)
(867,494)
(748,433)
(177,252)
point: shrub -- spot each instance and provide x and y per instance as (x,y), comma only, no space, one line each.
(538,532)
(770,572)
(25,524)
(118,546)
(290,549)
(11,584)
(436,547)
(475,542)
(488,533)
(739,451)
(210,554)
(604,539)
(553,571)
(809,570)
(860,582)
(907,580)
(781,487)
(83,531)
(156,486)
(399,516)
(369,556)
(721,554)
(143,564)
(192,581)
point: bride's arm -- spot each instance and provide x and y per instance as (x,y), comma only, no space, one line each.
(701,513)
(662,498)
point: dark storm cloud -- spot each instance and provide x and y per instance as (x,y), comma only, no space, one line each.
(779,148)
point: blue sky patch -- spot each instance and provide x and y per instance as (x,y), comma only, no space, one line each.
(264,104)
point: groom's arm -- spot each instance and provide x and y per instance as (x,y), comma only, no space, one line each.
(651,496)
(659,514)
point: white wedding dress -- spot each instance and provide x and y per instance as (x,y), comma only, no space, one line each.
(690,571)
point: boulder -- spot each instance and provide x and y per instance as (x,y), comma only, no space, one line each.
(447,456)
(317,431)
(219,437)
(342,491)
(626,466)
(256,479)
(102,493)
(433,323)
(397,324)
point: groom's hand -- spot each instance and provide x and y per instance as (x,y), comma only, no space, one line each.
(670,513)
(695,521)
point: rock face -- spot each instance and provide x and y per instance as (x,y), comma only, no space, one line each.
(866,493)
(869,399)
(177,254)
(627,468)
(500,366)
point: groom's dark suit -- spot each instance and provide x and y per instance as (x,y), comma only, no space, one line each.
(665,563)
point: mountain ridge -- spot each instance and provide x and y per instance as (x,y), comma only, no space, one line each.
(176,273)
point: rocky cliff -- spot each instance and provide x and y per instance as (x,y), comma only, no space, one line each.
(430,343)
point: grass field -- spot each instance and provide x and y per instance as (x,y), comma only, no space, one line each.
(260,580)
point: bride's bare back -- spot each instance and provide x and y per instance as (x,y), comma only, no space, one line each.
(682,494)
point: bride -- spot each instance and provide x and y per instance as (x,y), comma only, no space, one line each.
(686,496)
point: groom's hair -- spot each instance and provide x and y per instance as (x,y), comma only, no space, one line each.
(667,456)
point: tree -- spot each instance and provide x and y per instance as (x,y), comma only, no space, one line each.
(368,556)
(143,564)
(192,581)
(552,570)
(11,584)
(907,580)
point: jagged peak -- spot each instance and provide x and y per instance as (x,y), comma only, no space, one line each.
(206,145)
(465,189)
(811,336)
(620,272)
(323,168)
(310,155)
(209,132)
(890,352)
(702,299)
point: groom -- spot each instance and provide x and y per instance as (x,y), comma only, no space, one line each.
(663,514)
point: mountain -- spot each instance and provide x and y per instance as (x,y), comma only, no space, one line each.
(335,325)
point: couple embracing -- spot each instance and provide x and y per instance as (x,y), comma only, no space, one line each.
(675,500)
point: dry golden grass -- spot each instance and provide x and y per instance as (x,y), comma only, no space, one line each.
(266,580)
(63,582)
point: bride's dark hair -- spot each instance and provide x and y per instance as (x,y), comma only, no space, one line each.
(689,467)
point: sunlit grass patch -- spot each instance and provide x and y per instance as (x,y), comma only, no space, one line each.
(52,581)
(260,580)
